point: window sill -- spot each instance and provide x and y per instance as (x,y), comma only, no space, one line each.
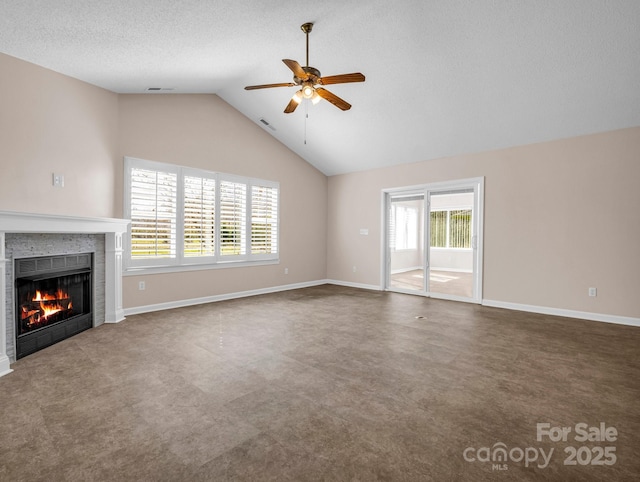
(136,271)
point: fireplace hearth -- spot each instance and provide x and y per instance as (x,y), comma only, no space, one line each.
(53,297)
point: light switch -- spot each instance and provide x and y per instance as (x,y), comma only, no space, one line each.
(58,180)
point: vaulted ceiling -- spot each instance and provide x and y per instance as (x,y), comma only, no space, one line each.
(443,77)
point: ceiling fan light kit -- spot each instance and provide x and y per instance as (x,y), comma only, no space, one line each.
(310,80)
(308,90)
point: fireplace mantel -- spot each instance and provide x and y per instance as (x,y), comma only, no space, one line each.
(113,229)
(13,222)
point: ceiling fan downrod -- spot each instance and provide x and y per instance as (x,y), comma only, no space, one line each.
(306,28)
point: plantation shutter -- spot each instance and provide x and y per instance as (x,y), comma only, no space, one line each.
(199,216)
(402,231)
(392,227)
(403,227)
(233,215)
(182,216)
(264,220)
(153,214)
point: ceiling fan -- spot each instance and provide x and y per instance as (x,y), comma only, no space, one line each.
(311,81)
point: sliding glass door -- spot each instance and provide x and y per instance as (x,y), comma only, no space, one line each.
(433,240)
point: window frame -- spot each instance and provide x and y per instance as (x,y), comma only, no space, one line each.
(186,263)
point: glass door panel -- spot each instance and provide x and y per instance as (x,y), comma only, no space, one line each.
(405,242)
(451,253)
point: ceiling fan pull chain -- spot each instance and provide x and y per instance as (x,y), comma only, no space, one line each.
(306,116)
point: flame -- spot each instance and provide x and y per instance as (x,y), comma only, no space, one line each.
(50,304)
(59,295)
(50,310)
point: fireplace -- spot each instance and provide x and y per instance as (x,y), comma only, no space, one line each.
(53,296)
(25,235)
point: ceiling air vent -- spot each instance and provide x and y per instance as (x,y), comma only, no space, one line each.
(160,89)
(266,123)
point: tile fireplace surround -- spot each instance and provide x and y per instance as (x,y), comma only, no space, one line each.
(34,224)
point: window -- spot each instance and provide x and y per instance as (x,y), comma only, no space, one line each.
(451,228)
(233,218)
(199,216)
(186,217)
(264,220)
(460,228)
(153,214)
(405,227)
(439,229)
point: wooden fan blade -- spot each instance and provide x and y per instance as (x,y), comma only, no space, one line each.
(291,106)
(268,86)
(342,79)
(333,98)
(296,69)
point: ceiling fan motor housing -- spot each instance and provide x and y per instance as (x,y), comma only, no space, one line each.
(313,75)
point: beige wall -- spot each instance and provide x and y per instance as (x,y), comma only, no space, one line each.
(203,131)
(560,217)
(53,123)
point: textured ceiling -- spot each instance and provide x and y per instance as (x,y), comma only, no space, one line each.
(444,77)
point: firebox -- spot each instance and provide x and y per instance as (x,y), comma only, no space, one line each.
(53,300)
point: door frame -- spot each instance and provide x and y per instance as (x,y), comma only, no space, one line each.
(477,185)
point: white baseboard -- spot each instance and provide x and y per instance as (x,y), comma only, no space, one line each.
(406,270)
(4,365)
(119,316)
(460,299)
(583,315)
(349,284)
(452,270)
(433,268)
(136,310)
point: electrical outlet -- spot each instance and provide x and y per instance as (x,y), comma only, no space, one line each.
(142,286)
(593,292)
(286,271)
(354,269)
